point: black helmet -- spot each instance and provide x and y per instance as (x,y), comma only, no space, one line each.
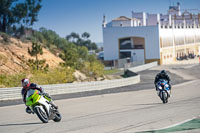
(163,73)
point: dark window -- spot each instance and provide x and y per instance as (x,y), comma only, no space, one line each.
(138,46)
(125,55)
(125,43)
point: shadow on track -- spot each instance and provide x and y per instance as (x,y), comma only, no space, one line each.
(20,124)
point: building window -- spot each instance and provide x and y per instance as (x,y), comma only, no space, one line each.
(138,42)
(125,43)
(197,39)
(125,55)
(166,41)
(189,39)
(139,46)
(179,40)
(131,43)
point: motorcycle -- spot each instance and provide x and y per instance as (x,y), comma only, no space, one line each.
(41,105)
(163,93)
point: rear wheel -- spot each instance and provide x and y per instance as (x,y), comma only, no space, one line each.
(42,115)
(57,117)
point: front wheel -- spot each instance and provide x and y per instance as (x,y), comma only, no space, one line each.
(57,116)
(164,97)
(42,115)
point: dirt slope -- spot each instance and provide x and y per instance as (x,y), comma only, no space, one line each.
(14,55)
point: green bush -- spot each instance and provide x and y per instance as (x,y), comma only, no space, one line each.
(11,80)
(6,38)
(93,69)
(53,76)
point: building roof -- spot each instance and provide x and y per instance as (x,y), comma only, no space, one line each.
(124,18)
(121,18)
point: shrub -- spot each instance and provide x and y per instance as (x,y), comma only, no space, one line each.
(11,80)
(6,37)
(53,76)
(94,69)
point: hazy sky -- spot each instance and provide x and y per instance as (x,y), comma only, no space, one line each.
(66,16)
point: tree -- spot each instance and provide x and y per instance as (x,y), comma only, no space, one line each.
(85,35)
(13,14)
(73,36)
(84,41)
(32,9)
(50,36)
(92,46)
(35,51)
(6,14)
(71,55)
(83,52)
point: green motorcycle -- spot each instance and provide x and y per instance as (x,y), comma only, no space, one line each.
(41,105)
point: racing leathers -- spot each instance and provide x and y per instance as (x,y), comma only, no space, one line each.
(34,86)
(162,76)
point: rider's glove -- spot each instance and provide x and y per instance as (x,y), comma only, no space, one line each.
(46,94)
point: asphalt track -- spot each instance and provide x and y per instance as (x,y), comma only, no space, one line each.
(134,108)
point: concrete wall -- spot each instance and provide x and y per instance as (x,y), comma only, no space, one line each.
(111,36)
(55,89)
(15,93)
(144,67)
(153,19)
(142,16)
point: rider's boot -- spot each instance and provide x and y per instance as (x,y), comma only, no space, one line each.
(28,110)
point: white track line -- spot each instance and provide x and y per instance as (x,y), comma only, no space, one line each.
(176,124)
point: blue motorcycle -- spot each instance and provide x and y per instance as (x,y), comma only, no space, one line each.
(163,88)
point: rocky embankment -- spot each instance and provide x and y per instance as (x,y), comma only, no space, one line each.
(14,56)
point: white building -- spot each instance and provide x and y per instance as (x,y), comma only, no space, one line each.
(152,37)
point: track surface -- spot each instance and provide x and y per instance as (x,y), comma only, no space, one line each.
(122,112)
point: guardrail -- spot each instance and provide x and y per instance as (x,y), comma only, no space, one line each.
(54,89)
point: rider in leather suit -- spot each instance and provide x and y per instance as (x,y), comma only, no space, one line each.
(162,75)
(26,86)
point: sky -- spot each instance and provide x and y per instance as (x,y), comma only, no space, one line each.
(66,16)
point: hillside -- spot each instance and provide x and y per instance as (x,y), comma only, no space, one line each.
(14,55)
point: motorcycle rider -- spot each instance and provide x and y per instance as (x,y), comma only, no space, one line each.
(162,75)
(26,86)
